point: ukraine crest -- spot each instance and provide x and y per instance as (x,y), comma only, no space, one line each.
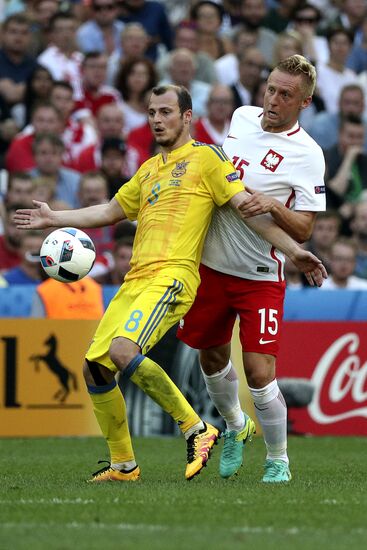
(180,169)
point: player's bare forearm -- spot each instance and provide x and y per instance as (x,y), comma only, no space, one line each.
(42,216)
(297,224)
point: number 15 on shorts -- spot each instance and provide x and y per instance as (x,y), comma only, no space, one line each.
(268,321)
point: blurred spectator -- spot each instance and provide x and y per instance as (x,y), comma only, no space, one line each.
(186,36)
(325,126)
(288,43)
(305,20)
(342,266)
(251,69)
(121,256)
(19,189)
(43,10)
(93,190)
(15,63)
(134,44)
(152,15)
(350,15)
(95,92)
(62,58)
(215,126)
(227,66)
(45,118)
(8,129)
(181,70)
(141,140)
(48,152)
(110,124)
(334,75)
(28,272)
(346,164)
(101,32)
(253,13)
(79,300)
(359,235)
(326,230)
(11,238)
(44,190)
(278,16)
(208,16)
(38,88)
(135,79)
(114,164)
(293,276)
(357,60)
(76,134)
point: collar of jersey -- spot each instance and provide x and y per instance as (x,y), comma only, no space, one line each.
(177,153)
(295,128)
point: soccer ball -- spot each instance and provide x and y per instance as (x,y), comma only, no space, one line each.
(67,254)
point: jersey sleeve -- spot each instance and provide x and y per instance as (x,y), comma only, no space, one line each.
(128,197)
(308,182)
(219,176)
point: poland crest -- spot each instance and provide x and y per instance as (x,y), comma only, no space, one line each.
(271,160)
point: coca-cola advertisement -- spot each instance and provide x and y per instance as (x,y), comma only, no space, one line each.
(333,356)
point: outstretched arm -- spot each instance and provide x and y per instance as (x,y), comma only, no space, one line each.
(269,230)
(42,216)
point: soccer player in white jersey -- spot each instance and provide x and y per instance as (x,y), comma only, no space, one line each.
(242,274)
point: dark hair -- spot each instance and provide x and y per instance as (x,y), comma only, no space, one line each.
(339,30)
(194,12)
(18,176)
(30,99)
(306,6)
(183,95)
(46,105)
(63,84)
(350,119)
(52,139)
(58,16)
(92,55)
(125,70)
(19,18)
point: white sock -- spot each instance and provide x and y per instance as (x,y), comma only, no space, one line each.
(271,412)
(124,466)
(223,391)
(196,428)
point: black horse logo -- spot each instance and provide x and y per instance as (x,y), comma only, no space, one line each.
(54,364)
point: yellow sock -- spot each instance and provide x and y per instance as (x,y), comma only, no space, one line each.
(152,379)
(110,411)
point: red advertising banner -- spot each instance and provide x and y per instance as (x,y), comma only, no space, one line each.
(333,356)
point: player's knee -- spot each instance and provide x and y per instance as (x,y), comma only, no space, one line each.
(213,360)
(259,369)
(96,374)
(122,351)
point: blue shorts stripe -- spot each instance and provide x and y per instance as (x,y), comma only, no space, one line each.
(151,316)
(159,311)
(163,311)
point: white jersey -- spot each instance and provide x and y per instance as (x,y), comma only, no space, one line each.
(289,166)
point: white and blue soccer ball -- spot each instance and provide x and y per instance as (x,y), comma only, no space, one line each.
(67,254)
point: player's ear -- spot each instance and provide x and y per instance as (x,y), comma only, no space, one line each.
(187,116)
(306,102)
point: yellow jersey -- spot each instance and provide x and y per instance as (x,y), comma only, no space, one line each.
(173,202)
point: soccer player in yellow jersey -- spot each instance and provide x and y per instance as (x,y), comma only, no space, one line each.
(172,197)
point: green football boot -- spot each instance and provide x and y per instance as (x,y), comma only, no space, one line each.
(232,453)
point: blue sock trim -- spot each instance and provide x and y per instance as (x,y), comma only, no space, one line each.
(102,389)
(133,365)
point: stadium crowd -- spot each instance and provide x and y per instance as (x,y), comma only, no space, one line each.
(74,81)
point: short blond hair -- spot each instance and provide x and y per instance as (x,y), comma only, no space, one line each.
(298,64)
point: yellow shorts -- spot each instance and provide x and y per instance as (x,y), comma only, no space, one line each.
(142,311)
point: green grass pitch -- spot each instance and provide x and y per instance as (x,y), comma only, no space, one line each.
(45,502)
